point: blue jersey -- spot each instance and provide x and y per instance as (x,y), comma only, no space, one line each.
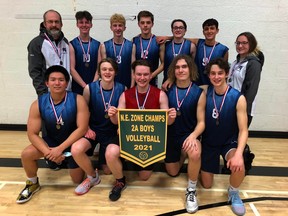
(171,52)
(66,109)
(227,129)
(85,70)
(186,122)
(98,122)
(219,51)
(124,66)
(150,52)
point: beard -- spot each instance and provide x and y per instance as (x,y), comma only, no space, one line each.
(55,33)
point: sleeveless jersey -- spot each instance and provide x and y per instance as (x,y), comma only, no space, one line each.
(186,122)
(152,55)
(68,111)
(152,101)
(98,122)
(169,54)
(219,52)
(86,73)
(227,129)
(124,68)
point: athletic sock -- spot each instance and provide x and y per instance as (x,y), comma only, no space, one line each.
(33,179)
(192,184)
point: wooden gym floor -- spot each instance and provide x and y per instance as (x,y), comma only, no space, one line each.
(264,190)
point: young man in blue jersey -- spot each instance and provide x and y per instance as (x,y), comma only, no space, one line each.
(84,54)
(176,46)
(207,49)
(65,115)
(147,46)
(226,132)
(120,49)
(99,95)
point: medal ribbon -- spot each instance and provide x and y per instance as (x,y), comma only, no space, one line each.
(222,102)
(144,55)
(57,49)
(88,50)
(114,48)
(58,119)
(137,99)
(173,48)
(209,54)
(179,103)
(106,105)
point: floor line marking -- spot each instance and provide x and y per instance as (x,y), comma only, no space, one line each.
(252,206)
(152,187)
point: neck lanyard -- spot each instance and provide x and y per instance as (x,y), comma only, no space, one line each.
(86,56)
(205,59)
(59,120)
(144,53)
(216,112)
(57,49)
(179,103)
(106,104)
(118,57)
(137,99)
(173,48)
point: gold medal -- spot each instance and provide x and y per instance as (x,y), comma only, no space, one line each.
(178,113)
(86,64)
(58,126)
(217,121)
(106,116)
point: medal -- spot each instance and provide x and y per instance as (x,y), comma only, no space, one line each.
(59,120)
(145,99)
(57,49)
(106,104)
(206,60)
(179,103)
(217,121)
(215,111)
(86,55)
(180,49)
(118,57)
(144,53)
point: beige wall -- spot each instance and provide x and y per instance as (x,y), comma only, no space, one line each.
(266,19)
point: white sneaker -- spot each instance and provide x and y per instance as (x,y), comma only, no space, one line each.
(85,186)
(191,200)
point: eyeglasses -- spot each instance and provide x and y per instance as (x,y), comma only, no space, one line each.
(178,28)
(57,22)
(238,43)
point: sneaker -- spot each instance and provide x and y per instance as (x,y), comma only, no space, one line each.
(27,193)
(52,165)
(86,185)
(236,203)
(191,201)
(115,193)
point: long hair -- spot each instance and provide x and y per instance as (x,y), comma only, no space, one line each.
(193,74)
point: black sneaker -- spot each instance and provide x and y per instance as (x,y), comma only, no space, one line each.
(27,193)
(52,165)
(115,193)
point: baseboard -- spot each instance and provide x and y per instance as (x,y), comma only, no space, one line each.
(255,134)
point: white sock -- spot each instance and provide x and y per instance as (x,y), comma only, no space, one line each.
(192,184)
(232,188)
(33,179)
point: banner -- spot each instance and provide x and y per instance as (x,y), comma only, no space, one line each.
(142,135)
